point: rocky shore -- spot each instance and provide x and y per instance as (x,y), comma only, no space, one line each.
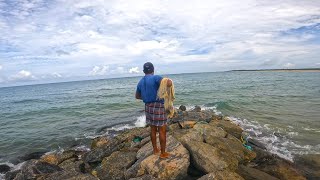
(202,145)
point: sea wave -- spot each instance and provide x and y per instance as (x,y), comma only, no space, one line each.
(274,141)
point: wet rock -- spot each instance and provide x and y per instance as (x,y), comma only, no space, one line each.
(51,159)
(34,168)
(222,175)
(11,175)
(230,127)
(197,109)
(183,108)
(99,142)
(114,166)
(4,168)
(210,159)
(309,164)
(174,167)
(250,173)
(96,155)
(69,154)
(34,155)
(57,158)
(281,169)
(72,165)
(254,143)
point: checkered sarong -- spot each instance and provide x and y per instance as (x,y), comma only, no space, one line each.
(155,114)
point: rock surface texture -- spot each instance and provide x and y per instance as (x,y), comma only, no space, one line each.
(202,145)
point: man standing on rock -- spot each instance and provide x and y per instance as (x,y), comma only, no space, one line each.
(154,108)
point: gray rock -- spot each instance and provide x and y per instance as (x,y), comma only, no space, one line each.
(114,166)
(250,173)
(4,168)
(144,177)
(197,109)
(174,167)
(221,175)
(309,164)
(96,155)
(34,168)
(11,174)
(66,175)
(228,126)
(208,159)
(183,108)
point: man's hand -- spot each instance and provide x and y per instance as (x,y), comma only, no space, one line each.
(138,95)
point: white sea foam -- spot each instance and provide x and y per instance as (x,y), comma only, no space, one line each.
(274,143)
(12,166)
(141,121)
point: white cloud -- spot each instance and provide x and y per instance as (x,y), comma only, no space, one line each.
(289,65)
(118,70)
(99,70)
(1,67)
(134,70)
(73,35)
(56,75)
(22,75)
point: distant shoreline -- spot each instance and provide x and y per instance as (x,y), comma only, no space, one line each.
(281,70)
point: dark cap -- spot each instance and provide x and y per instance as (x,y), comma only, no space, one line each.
(148,68)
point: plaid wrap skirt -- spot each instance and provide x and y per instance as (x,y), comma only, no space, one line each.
(155,114)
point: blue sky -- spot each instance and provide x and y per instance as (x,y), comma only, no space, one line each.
(61,40)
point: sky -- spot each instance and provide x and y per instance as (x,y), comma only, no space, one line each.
(61,40)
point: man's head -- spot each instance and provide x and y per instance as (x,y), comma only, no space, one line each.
(148,68)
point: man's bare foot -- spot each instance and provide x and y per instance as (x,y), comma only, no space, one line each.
(156,151)
(164,155)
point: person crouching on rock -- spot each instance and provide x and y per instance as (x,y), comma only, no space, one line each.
(156,116)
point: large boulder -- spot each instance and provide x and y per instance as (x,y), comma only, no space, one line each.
(96,155)
(221,175)
(210,159)
(210,131)
(99,142)
(123,140)
(229,126)
(4,168)
(114,166)
(174,167)
(65,175)
(11,174)
(57,158)
(35,168)
(250,173)
(233,146)
(309,164)
(184,135)
(281,169)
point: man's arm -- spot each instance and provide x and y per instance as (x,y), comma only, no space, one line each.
(138,95)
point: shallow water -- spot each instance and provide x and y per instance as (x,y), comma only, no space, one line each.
(281,109)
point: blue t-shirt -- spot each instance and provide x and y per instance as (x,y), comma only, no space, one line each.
(148,88)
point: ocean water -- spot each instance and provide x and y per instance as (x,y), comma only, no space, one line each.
(281,109)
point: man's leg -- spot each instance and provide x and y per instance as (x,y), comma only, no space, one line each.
(163,141)
(153,136)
